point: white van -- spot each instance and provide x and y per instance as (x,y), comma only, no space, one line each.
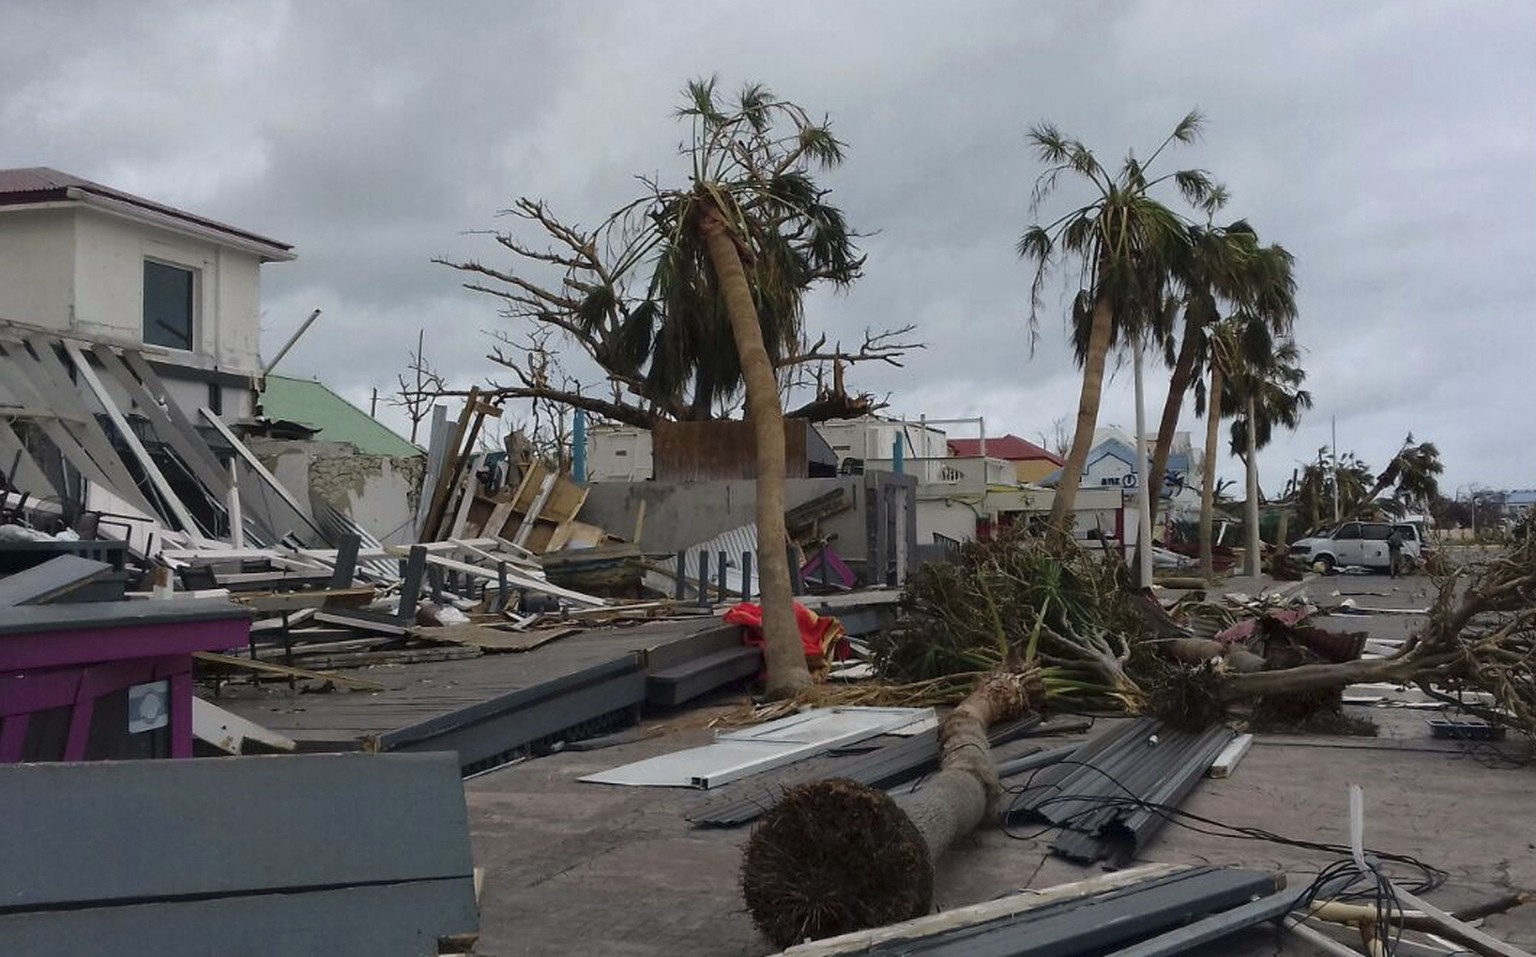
(1359,543)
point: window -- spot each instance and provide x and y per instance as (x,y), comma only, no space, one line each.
(168,306)
(1349,532)
(1376,533)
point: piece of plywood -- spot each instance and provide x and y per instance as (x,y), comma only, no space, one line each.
(492,640)
(285,671)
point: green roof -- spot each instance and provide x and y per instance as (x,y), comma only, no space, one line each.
(312,404)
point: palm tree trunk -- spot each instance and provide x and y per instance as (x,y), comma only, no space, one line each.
(787,671)
(1255,546)
(1208,480)
(1178,385)
(1063,515)
(880,869)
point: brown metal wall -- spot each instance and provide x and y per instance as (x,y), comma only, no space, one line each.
(706,451)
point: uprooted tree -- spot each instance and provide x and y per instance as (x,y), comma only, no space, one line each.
(690,297)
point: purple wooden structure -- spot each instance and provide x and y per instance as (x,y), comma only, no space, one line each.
(68,674)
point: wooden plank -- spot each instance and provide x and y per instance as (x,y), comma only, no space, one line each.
(317,598)
(492,639)
(1460,931)
(286,671)
(167,494)
(456,452)
(228,731)
(46,374)
(497,522)
(191,449)
(1229,757)
(466,497)
(639,523)
(520,579)
(525,527)
(261,470)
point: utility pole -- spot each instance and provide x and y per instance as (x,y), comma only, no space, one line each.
(1254,544)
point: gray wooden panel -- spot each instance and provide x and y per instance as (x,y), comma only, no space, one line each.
(402,919)
(191,449)
(50,580)
(50,379)
(148,830)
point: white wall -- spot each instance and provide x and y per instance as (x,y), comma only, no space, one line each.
(109,291)
(37,266)
(952,519)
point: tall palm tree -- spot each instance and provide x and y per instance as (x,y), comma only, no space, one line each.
(1125,244)
(1253,378)
(728,259)
(1226,268)
(1413,475)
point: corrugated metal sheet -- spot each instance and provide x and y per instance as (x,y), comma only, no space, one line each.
(735,543)
(883,767)
(1105,797)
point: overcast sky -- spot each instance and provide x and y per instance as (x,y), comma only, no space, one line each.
(1390,146)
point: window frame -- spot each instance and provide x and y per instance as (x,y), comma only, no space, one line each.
(194,302)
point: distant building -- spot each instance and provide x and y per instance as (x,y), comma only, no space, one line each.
(1031,462)
(1518,503)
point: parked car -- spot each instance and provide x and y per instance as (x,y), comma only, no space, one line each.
(1359,543)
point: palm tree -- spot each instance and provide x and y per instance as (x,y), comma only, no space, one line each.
(1413,474)
(1125,244)
(1252,379)
(1225,266)
(728,259)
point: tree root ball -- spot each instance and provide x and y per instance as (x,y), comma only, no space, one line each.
(834,857)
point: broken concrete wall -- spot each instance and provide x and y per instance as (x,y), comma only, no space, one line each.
(378,492)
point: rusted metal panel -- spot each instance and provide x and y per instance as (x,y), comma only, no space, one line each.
(722,449)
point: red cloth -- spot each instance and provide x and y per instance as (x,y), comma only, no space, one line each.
(821,635)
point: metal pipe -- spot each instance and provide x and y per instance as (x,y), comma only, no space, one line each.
(303,328)
(579,446)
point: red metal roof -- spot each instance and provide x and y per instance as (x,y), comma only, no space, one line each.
(1008,447)
(39,184)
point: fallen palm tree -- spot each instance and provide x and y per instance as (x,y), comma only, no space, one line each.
(836,856)
(1480,635)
